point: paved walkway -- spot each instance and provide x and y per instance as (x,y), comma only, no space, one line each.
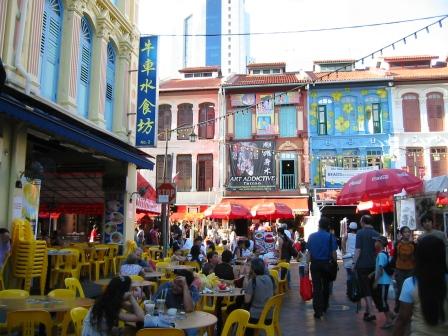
(341,319)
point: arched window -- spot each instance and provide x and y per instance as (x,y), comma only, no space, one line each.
(411,112)
(110,87)
(206,128)
(184,118)
(164,121)
(436,111)
(85,55)
(50,48)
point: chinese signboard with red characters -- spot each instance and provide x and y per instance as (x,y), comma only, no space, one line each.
(145,133)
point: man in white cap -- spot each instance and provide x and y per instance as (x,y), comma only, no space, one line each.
(348,251)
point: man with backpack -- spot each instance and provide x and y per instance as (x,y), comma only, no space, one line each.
(383,279)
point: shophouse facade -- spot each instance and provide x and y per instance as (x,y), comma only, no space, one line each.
(66,113)
(349,123)
(266,137)
(190,104)
(420,103)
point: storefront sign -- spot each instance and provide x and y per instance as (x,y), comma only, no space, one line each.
(335,177)
(252,166)
(247,99)
(406,213)
(287,98)
(114,221)
(265,115)
(146,204)
(145,133)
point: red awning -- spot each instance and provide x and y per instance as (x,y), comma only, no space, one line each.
(299,205)
(73,208)
(226,210)
(147,203)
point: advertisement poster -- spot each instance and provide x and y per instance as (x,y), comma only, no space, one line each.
(145,133)
(246,99)
(114,219)
(292,97)
(337,176)
(252,166)
(406,214)
(30,202)
(264,241)
(265,115)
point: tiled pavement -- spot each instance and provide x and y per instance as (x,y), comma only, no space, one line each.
(341,319)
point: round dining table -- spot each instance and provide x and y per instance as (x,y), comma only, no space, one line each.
(104,282)
(152,275)
(172,267)
(223,293)
(196,320)
(39,302)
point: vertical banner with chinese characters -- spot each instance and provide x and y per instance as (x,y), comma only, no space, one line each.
(252,166)
(145,134)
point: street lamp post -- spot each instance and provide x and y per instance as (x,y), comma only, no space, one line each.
(165,222)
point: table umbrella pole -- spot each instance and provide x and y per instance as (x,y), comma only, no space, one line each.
(382,219)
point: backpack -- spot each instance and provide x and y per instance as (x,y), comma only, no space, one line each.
(388,268)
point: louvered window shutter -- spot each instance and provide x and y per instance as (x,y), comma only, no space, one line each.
(243,124)
(435,111)
(50,49)
(209,172)
(183,167)
(84,68)
(110,86)
(288,121)
(411,113)
(202,129)
(211,122)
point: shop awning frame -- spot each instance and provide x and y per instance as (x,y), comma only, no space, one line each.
(25,108)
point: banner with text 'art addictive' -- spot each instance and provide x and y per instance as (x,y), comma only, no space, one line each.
(145,133)
(252,166)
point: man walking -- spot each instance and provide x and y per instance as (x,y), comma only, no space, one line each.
(364,262)
(321,248)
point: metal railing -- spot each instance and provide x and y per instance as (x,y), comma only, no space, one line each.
(288,181)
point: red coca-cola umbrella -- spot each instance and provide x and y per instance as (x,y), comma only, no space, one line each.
(377,207)
(272,211)
(227,211)
(378,184)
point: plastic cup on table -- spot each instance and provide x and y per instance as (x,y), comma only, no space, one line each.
(149,307)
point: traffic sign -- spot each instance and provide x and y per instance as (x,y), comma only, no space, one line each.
(166,193)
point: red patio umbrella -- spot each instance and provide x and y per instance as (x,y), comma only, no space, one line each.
(272,211)
(227,211)
(378,206)
(442,199)
(378,184)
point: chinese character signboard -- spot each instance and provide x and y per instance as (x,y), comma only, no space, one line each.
(265,115)
(145,133)
(252,166)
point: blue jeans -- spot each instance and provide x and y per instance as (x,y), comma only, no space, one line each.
(349,273)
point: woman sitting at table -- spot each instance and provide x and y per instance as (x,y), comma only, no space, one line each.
(114,305)
(177,255)
(131,266)
(196,255)
(259,287)
(238,253)
(224,270)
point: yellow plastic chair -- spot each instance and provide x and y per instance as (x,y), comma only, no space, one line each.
(99,261)
(62,293)
(84,261)
(274,274)
(136,278)
(194,264)
(71,266)
(272,329)
(167,259)
(160,332)
(74,285)
(283,282)
(238,318)
(111,258)
(2,269)
(131,246)
(78,315)
(14,294)
(28,321)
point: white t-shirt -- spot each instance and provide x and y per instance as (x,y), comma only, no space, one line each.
(130,269)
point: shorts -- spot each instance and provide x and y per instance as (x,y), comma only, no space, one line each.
(380,298)
(365,283)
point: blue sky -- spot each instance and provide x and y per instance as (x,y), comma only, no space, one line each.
(299,50)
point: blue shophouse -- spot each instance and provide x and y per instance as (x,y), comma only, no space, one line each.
(349,124)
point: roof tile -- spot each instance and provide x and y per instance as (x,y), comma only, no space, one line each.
(242,80)
(212,68)
(330,61)
(266,65)
(190,84)
(409,58)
